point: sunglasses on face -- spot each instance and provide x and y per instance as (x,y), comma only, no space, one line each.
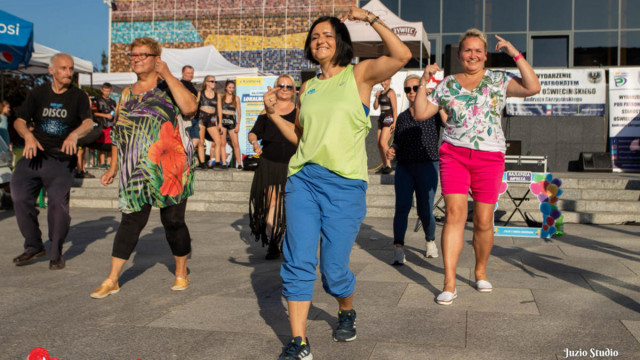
(211,81)
(407,89)
(283,86)
(140,56)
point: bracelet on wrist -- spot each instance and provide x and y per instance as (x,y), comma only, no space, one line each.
(375,19)
(518,57)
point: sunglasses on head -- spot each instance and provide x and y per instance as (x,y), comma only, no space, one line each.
(407,89)
(283,86)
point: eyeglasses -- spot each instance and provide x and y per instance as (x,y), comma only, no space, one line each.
(407,89)
(283,86)
(211,81)
(140,56)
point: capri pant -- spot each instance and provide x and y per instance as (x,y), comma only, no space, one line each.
(463,168)
(320,203)
(175,228)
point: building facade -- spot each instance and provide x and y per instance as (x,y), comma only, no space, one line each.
(267,34)
(552,33)
(270,34)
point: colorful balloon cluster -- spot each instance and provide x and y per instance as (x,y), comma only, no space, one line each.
(548,190)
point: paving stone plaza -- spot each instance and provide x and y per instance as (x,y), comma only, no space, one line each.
(570,295)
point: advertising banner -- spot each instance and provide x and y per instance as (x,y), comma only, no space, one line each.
(565,92)
(624,119)
(250,91)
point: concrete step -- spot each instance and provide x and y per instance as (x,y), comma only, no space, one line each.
(96,202)
(586,198)
(91,193)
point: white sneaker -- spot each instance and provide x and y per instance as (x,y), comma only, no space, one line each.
(432,249)
(398,258)
(484,286)
(446,297)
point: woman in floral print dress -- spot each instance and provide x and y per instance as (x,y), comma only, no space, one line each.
(473,146)
(155,168)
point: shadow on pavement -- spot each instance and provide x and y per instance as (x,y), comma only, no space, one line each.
(151,249)
(267,284)
(88,231)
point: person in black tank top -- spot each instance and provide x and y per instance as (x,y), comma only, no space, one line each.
(208,119)
(229,110)
(386,100)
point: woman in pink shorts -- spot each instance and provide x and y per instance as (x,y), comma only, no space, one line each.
(472,151)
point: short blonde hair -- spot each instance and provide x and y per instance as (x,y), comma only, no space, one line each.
(411,77)
(473,32)
(293,82)
(154,46)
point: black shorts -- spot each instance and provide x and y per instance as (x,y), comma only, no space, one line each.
(385,120)
(208,119)
(228,122)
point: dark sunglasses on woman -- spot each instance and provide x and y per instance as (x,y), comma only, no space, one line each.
(407,89)
(283,86)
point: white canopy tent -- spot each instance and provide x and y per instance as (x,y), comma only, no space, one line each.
(39,64)
(205,60)
(41,56)
(367,42)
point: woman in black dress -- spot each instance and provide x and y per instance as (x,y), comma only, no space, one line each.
(266,205)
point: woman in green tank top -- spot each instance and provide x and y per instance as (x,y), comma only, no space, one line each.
(325,190)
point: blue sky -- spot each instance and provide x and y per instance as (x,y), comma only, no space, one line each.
(78,27)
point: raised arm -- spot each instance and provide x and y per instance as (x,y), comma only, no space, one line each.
(183,97)
(425,109)
(292,132)
(373,71)
(375,103)
(526,85)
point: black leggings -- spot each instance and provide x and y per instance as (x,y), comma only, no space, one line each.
(172,218)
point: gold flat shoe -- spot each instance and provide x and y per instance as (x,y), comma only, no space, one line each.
(105,290)
(180,284)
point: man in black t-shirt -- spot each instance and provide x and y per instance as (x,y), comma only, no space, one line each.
(187,76)
(60,114)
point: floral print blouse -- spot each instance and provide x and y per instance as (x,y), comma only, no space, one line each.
(155,168)
(474,116)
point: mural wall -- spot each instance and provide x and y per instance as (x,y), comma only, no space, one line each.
(267,34)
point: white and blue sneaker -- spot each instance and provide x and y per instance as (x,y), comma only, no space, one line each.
(296,350)
(346,329)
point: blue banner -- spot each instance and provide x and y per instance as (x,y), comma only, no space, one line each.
(16,41)
(250,91)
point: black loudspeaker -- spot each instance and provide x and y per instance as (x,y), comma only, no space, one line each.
(307,74)
(595,161)
(514,147)
(451,63)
